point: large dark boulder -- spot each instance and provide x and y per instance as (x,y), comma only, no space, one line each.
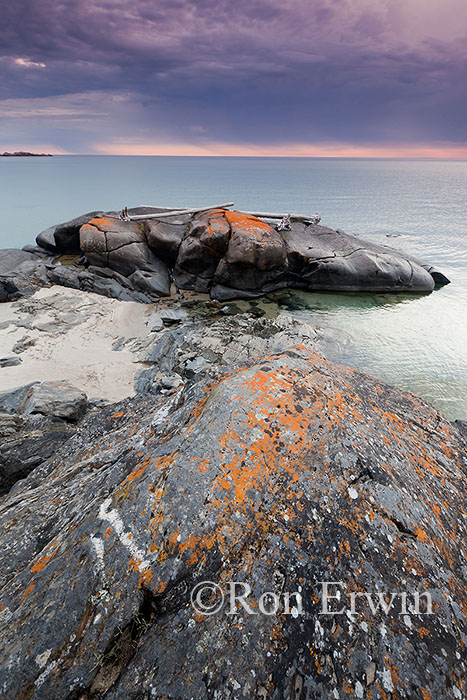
(255,261)
(121,246)
(164,237)
(323,259)
(46,240)
(277,478)
(64,238)
(224,253)
(231,255)
(201,250)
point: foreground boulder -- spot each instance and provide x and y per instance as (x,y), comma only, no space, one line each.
(276,477)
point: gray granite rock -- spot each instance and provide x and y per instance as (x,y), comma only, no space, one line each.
(64,275)
(154,284)
(25,279)
(36,250)
(323,259)
(12,258)
(119,245)
(59,398)
(64,238)
(26,442)
(10,361)
(10,401)
(274,478)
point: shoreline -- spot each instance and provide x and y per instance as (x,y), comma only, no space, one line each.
(231,452)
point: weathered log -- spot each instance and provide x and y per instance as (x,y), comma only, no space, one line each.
(312,218)
(177,212)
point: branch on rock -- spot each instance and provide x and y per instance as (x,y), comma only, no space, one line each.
(171,212)
(167,212)
(308,219)
(284,224)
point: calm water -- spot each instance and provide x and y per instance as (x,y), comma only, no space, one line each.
(418,343)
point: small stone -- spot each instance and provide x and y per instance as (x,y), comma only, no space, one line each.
(193,367)
(171,317)
(171,382)
(370,673)
(10,361)
(156,324)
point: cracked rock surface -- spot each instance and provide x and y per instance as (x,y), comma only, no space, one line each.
(122,246)
(281,474)
(228,254)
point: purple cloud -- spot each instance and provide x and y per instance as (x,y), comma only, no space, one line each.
(249,71)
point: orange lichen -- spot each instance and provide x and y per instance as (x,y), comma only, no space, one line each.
(100,222)
(28,590)
(248,223)
(138,470)
(42,562)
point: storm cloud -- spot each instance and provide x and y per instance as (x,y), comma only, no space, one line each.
(131,76)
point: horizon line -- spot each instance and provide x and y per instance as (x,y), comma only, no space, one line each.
(437,150)
(249,155)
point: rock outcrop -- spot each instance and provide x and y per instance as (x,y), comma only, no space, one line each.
(275,478)
(323,259)
(35,421)
(224,253)
(64,238)
(165,237)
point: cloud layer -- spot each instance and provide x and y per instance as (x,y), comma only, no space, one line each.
(87,76)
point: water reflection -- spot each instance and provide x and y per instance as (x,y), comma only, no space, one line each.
(299,300)
(413,341)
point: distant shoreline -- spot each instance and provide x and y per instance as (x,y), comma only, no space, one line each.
(25,153)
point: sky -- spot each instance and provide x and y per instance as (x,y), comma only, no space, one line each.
(235,77)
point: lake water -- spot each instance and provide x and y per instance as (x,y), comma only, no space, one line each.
(420,206)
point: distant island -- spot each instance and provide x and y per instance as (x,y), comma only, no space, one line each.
(25,153)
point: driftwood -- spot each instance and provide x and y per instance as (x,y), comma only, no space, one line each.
(313,219)
(171,212)
(284,223)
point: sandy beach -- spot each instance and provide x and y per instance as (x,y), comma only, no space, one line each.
(69,335)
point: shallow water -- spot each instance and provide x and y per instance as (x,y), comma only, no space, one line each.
(415,342)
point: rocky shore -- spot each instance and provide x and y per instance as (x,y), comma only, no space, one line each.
(149,448)
(227,254)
